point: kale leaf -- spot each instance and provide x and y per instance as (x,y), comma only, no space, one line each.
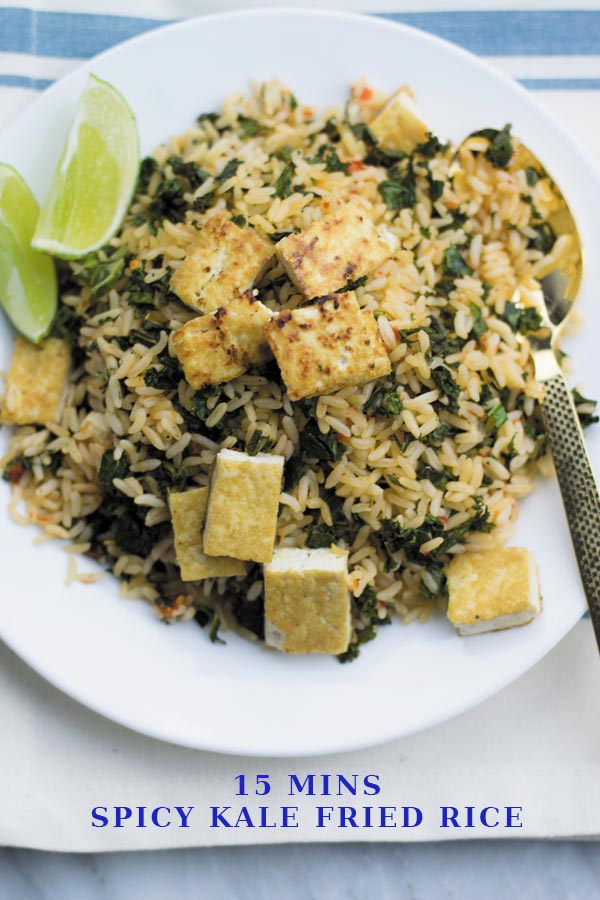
(454,263)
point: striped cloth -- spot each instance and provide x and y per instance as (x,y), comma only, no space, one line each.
(553,51)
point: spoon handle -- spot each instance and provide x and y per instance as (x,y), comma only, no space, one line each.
(578,487)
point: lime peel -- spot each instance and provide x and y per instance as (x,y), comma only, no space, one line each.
(28,290)
(95,178)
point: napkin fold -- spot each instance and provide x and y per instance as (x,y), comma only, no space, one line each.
(534,745)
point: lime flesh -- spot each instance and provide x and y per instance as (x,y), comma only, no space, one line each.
(27,278)
(95,178)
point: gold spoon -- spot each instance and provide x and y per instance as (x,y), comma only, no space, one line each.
(560,281)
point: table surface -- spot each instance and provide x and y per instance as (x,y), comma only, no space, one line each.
(452,871)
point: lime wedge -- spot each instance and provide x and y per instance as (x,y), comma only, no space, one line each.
(27,279)
(95,179)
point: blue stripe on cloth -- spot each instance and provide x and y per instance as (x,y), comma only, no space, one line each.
(25,81)
(67,35)
(486,32)
(561,84)
(511,32)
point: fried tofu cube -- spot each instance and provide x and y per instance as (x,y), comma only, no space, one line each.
(307,603)
(188,514)
(36,381)
(326,346)
(243,505)
(341,247)
(220,346)
(493,590)
(399,125)
(222,263)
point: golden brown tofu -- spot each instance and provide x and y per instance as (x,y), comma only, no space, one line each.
(36,381)
(188,514)
(222,263)
(328,345)
(307,603)
(220,346)
(340,247)
(493,590)
(243,505)
(399,126)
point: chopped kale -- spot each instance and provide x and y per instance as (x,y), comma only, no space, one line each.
(207,117)
(66,325)
(366,605)
(148,167)
(201,204)
(521,319)
(206,616)
(168,203)
(251,127)
(363,635)
(383,158)
(544,239)
(199,401)
(111,468)
(436,582)
(454,263)
(398,192)
(430,147)
(438,479)
(240,221)
(362,132)
(315,445)
(532,176)
(285,153)
(332,131)
(447,386)
(479,323)
(500,149)
(229,170)
(498,415)
(587,415)
(130,533)
(170,477)
(250,614)
(352,285)
(101,274)
(293,471)
(392,538)
(437,437)
(148,297)
(383,402)
(258,443)
(328,155)
(283,185)
(277,236)
(166,375)
(320,535)
(190,171)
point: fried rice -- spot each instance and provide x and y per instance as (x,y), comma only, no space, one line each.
(403,472)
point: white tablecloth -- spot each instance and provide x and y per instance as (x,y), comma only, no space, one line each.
(536,745)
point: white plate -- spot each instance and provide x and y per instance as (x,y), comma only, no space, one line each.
(171,683)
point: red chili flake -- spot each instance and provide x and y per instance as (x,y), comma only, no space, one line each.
(443,519)
(365,95)
(343,439)
(15,473)
(356,165)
